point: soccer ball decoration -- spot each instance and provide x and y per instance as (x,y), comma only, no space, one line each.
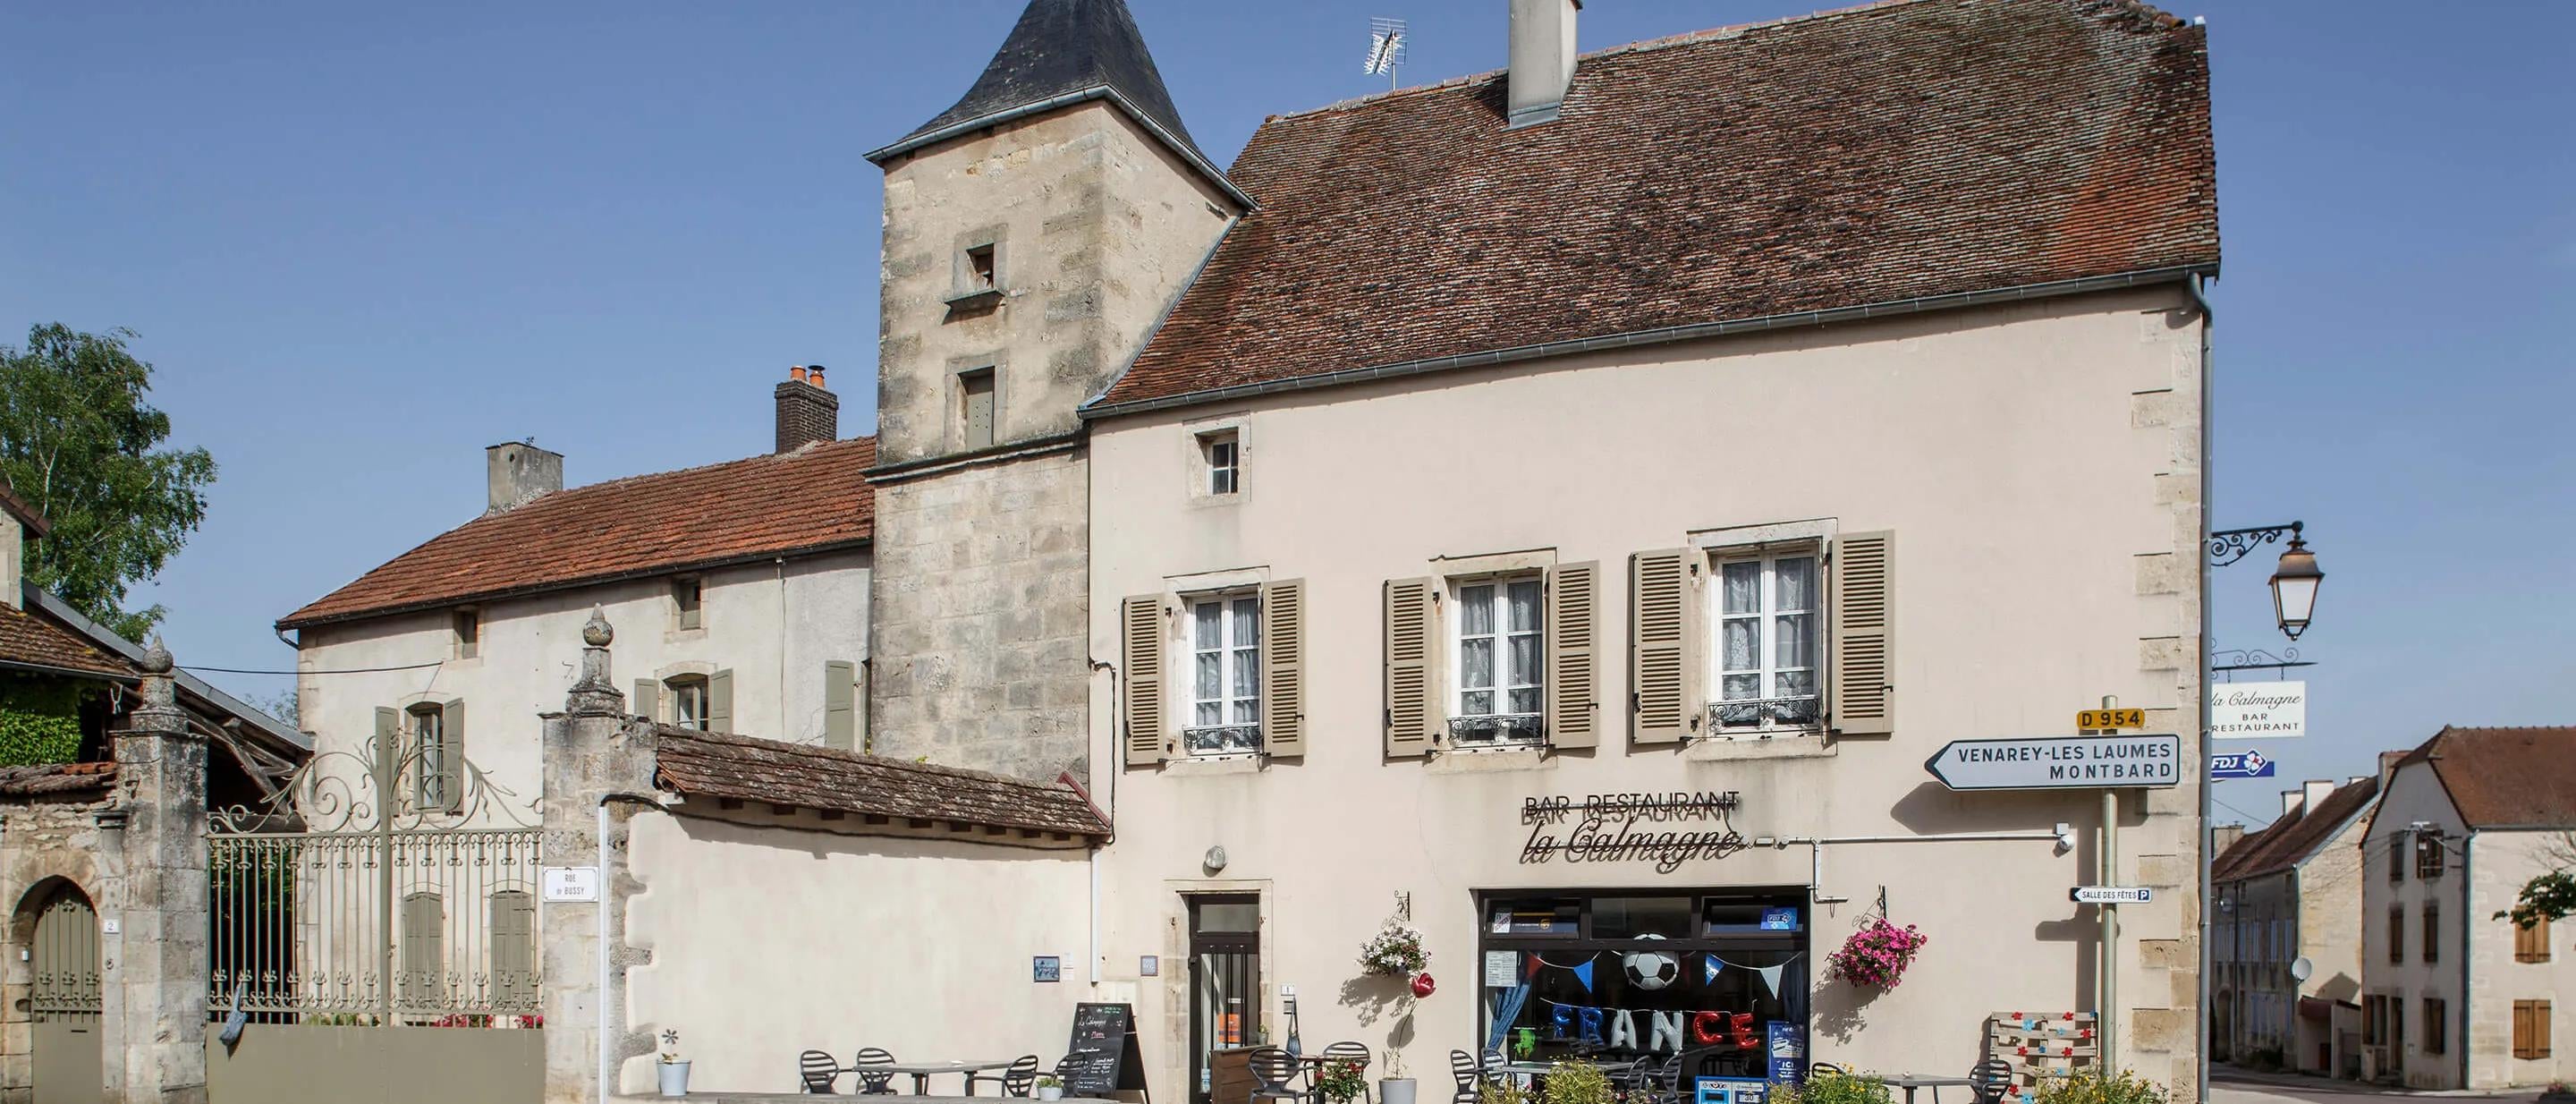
(1651,970)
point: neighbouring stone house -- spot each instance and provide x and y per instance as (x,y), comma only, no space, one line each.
(2288,894)
(2454,997)
(741,587)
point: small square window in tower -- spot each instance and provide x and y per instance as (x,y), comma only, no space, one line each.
(1222,454)
(975,408)
(981,272)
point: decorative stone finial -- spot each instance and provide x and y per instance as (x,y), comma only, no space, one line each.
(156,659)
(597,632)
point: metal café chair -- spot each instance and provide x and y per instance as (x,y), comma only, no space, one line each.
(873,1084)
(1350,1052)
(1470,1074)
(1019,1079)
(1273,1071)
(818,1072)
(1990,1080)
(1825,1069)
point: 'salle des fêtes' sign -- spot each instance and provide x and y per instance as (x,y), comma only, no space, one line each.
(2258,710)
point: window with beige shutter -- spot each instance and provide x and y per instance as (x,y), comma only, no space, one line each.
(1140,636)
(1767,610)
(1573,655)
(1414,713)
(1283,668)
(1497,628)
(2531,941)
(1863,603)
(1222,674)
(1662,652)
(2531,1029)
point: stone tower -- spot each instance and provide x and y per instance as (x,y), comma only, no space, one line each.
(1034,233)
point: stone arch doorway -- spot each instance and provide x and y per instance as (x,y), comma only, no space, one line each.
(66,1064)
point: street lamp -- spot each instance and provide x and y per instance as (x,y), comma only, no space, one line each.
(2294,587)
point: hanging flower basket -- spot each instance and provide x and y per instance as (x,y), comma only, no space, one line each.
(1395,951)
(1877,954)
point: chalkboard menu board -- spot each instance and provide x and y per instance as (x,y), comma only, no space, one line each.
(1102,1058)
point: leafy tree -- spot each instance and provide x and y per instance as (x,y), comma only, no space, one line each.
(79,443)
(2551,896)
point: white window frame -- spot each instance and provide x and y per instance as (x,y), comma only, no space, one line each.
(1499,726)
(676,691)
(427,723)
(1231,735)
(1768,556)
(1221,480)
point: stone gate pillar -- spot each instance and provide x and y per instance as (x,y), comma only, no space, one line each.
(597,761)
(153,900)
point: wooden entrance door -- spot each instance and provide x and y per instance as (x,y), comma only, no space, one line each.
(63,1002)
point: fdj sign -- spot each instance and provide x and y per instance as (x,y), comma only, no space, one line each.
(2250,764)
(2060,763)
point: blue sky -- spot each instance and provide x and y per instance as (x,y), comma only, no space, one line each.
(361,242)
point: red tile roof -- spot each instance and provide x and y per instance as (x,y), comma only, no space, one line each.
(2292,839)
(2505,777)
(706,764)
(28,641)
(813,499)
(39,779)
(18,508)
(1867,156)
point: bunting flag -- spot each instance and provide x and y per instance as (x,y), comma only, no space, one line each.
(1771,977)
(1710,966)
(1583,973)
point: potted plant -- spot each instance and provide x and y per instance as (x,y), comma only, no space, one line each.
(1395,951)
(674,1069)
(1049,1087)
(1395,1087)
(1340,1082)
(1576,1083)
(1876,955)
(1836,1088)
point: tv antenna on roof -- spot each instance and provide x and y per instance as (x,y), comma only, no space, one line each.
(1387,38)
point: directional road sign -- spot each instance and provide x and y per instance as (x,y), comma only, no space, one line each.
(2241,764)
(2111,895)
(2060,763)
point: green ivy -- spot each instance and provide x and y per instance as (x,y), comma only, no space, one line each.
(39,721)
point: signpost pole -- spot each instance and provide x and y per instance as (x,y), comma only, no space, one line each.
(2107,1019)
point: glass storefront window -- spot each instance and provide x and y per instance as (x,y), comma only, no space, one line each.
(1698,976)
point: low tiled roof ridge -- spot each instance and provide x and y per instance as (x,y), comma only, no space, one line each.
(818,751)
(734,767)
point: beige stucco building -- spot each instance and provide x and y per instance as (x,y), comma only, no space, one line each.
(2453,996)
(2286,939)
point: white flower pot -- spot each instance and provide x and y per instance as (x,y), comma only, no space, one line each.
(1050,1092)
(675,1078)
(1395,1090)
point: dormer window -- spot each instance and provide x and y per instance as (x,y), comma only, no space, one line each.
(1222,451)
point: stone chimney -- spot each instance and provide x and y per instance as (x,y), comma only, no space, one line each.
(1542,58)
(2291,800)
(2388,765)
(2315,791)
(2223,837)
(807,411)
(519,473)
(19,524)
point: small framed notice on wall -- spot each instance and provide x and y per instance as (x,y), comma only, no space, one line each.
(1046,968)
(1148,966)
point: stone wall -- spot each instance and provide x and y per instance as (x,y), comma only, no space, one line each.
(980,617)
(45,841)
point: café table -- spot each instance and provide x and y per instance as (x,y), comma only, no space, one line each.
(1912,1081)
(921,1071)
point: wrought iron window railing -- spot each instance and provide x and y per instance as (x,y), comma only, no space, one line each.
(1241,739)
(1497,730)
(1752,714)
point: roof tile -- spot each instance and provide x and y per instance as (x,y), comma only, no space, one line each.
(2506,777)
(28,640)
(704,764)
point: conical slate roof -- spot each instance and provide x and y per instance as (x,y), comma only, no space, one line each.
(1062,50)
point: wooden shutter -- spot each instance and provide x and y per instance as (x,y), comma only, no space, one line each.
(1660,651)
(1413,706)
(514,949)
(1573,663)
(1141,642)
(648,700)
(720,701)
(424,949)
(389,747)
(1864,647)
(840,704)
(1283,668)
(451,757)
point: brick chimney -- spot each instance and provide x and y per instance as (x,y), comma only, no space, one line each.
(1542,58)
(808,412)
(518,472)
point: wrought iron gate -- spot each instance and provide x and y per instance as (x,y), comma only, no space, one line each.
(392,886)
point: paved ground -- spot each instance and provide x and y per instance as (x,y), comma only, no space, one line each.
(2229,1086)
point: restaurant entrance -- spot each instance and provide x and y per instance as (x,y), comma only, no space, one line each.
(1700,978)
(1225,980)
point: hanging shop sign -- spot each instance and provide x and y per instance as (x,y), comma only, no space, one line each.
(2252,710)
(2241,764)
(1666,829)
(2059,762)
